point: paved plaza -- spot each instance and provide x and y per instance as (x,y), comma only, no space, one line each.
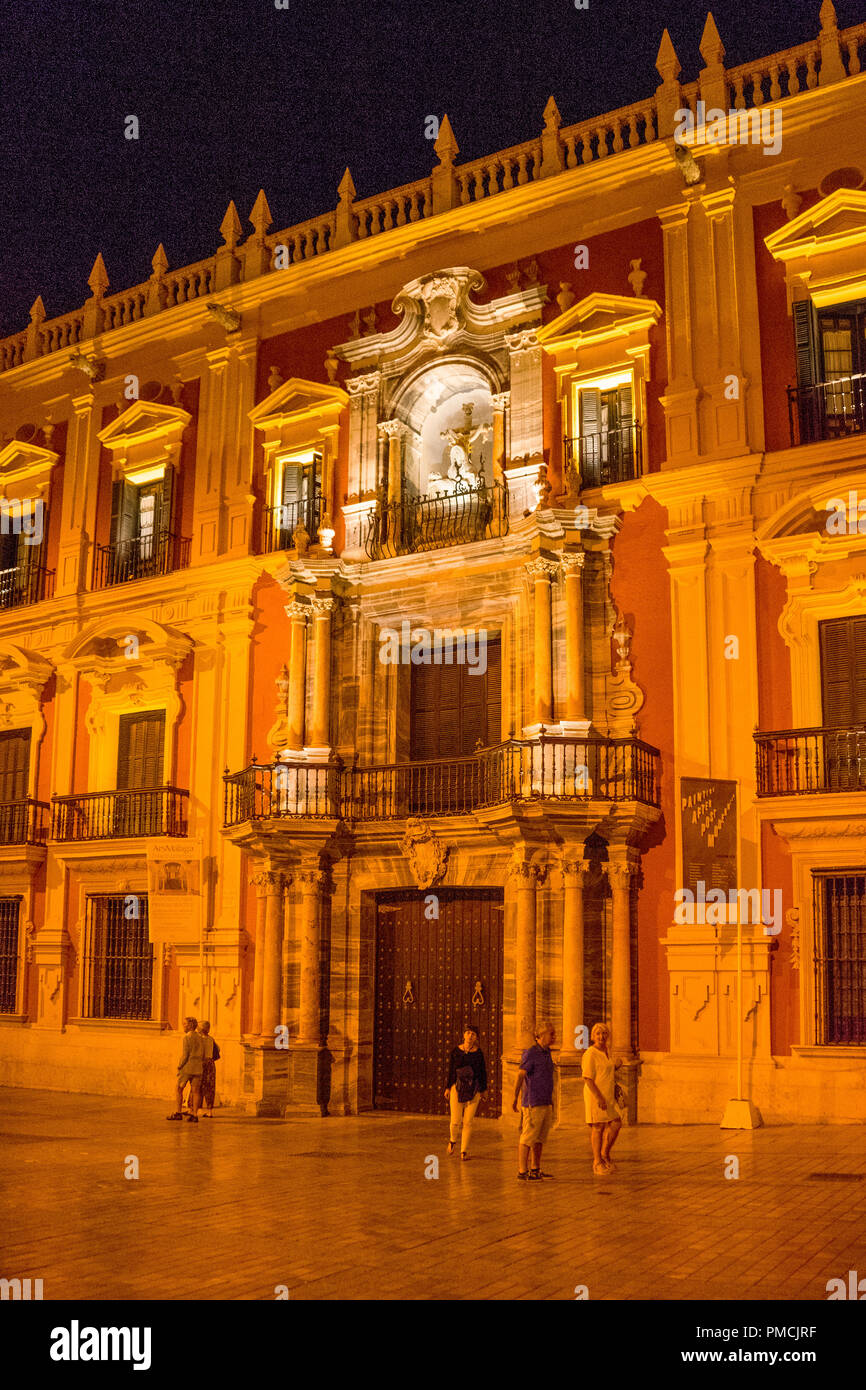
(340,1208)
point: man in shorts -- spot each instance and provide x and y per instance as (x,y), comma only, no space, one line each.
(189,1070)
(535,1079)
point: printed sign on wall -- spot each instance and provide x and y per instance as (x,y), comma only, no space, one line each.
(709,820)
(174,876)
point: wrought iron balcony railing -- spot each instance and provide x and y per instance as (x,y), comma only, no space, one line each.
(608,456)
(471,513)
(26,583)
(141,558)
(118,815)
(23,822)
(280,522)
(561,769)
(828,410)
(811,760)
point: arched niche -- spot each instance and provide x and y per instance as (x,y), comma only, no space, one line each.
(447,408)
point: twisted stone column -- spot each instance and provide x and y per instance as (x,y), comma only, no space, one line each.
(527,878)
(274,887)
(298,613)
(322,609)
(574,876)
(541,572)
(572,565)
(311,879)
(619,877)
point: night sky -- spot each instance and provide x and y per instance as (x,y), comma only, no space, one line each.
(234,95)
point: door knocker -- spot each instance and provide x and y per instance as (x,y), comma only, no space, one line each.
(478,996)
(408,996)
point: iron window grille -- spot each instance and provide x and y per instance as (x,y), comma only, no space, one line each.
(839,915)
(118,959)
(9,910)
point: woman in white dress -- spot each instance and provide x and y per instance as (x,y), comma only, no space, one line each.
(599,1099)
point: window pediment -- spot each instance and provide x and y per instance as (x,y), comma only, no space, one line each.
(146,433)
(600,319)
(297,409)
(25,468)
(824,249)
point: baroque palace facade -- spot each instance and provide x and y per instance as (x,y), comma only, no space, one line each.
(578,416)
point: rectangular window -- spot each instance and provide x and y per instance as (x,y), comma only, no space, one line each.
(608,434)
(9,908)
(830,349)
(118,957)
(300,485)
(141,527)
(839,916)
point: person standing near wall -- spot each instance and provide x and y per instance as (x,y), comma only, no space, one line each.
(208,1072)
(189,1069)
(467,1082)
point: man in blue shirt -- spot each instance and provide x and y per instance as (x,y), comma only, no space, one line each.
(535,1079)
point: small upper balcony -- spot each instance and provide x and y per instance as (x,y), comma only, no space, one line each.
(796,762)
(465,512)
(119,815)
(564,770)
(142,557)
(24,822)
(282,521)
(828,410)
(603,456)
(24,584)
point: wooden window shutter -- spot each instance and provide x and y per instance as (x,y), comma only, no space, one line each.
(624,406)
(124,511)
(140,747)
(165,503)
(843,672)
(806,342)
(292,477)
(14,764)
(590,411)
(493,681)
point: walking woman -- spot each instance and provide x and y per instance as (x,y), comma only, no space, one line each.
(599,1099)
(467,1082)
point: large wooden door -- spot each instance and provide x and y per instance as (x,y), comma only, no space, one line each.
(428,973)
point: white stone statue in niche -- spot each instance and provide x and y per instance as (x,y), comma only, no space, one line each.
(460,473)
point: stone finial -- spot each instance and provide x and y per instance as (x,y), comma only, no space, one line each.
(344,229)
(332,363)
(98,278)
(230,227)
(552,118)
(37,312)
(157,294)
(275,378)
(160,261)
(832,67)
(667,63)
(712,49)
(565,298)
(346,189)
(791,201)
(446,146)
(551,148)
(260,217)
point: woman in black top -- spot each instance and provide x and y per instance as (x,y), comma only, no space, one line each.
(467,1082)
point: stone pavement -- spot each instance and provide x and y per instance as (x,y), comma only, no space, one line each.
(340,1208)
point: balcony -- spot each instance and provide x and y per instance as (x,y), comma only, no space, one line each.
(414,525)
(828,410)
(143,557)
(281,521)
(558,769)
(609,456)
(118,815)
(23,822)
(800,761)
(25,584)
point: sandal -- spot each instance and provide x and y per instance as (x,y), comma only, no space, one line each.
(176,1116)
(534,1175)
(451,1144)
(464,1155)
(522,1177)
(192,1119)
(544,1175)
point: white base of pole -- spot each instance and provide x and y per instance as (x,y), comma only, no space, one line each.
(741,1114)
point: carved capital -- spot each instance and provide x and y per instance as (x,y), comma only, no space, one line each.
(323,607)
(269,882)
(501,400)
(541,569)
(527,875)
(297,611)
(392,429)
(524,340)
(365,385)
(574,871)
(572,562)
(620,875)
